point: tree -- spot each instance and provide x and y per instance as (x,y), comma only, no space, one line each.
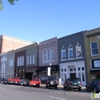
(10,1)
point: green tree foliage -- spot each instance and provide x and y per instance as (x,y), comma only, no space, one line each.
(10,1)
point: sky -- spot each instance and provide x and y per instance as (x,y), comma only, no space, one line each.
(40,20)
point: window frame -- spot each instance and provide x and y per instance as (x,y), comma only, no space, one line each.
(91,48)
(77,46)
(69,52)
(52,54)
(63,49)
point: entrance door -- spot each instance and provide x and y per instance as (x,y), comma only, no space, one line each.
(72,75)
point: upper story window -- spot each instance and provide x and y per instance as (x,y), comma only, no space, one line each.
(63,53)
(28,60)
(44,55)
(70,52)
(94,48)
(48,54)
(33,60)
(52,54)
(11,62)
(78,50)
(22,60)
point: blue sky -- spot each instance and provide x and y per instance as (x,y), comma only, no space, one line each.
(39,20)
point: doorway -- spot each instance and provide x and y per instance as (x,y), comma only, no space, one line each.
(72,75)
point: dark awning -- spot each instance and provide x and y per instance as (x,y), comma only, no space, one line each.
(94,71)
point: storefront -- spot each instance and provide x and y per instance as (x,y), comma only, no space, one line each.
(20,73)
(73,70)
(44,72)
(95,68)
(31,73)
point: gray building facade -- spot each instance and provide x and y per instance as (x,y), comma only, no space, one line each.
(72,60)
(48,59)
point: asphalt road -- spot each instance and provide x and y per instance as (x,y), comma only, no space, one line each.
(13,92)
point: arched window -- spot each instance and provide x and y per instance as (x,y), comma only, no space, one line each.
(52,53)
(63,53)
(70,52)
(78,50)
(44,55)
(48,54)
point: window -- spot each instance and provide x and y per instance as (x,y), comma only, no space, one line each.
(30,59)
(62,70)
(70,52)
(22,60)
(48,54)
(33,59)
(52,54)
(79,69)
(82,68)
(11,62)
(17,61)
(83,77)
(71,69)
(79,76)
(63,53)
(78,50)
(94,48)
(27,60)
(44,55)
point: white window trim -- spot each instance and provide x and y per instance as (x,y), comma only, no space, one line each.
(33,60)
(30,61)
(45,55)
(76,51)
(69,54)
(51,53)
(62,54)
(91,49)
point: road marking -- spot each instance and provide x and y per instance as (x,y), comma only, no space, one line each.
(57,98)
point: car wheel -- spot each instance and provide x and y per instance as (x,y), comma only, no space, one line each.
(79,89)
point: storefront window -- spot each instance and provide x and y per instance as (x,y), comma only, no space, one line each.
(83,77)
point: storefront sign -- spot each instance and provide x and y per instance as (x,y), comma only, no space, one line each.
(4,58)
(30,69)
(97,63)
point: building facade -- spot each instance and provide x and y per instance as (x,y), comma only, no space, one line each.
(31,61)
(92,49)
(72,59)
(48,59)
(10,64)
(4,65)
(20,57)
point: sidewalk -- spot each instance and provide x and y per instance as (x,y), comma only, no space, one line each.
(60,86)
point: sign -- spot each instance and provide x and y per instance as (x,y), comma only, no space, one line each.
(95,95)
(4,58)
(49,71)
(97,63)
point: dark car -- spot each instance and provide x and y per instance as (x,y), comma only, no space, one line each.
(51,82)
(4,81)
(72,83)
(94,85)
(24,82)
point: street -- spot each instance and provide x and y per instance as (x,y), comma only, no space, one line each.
(13,92)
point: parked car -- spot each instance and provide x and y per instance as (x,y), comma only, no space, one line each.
(94,85)
(35,82)
(24,82)
(14,80)
(51,82)
(4,81)
(72,83)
